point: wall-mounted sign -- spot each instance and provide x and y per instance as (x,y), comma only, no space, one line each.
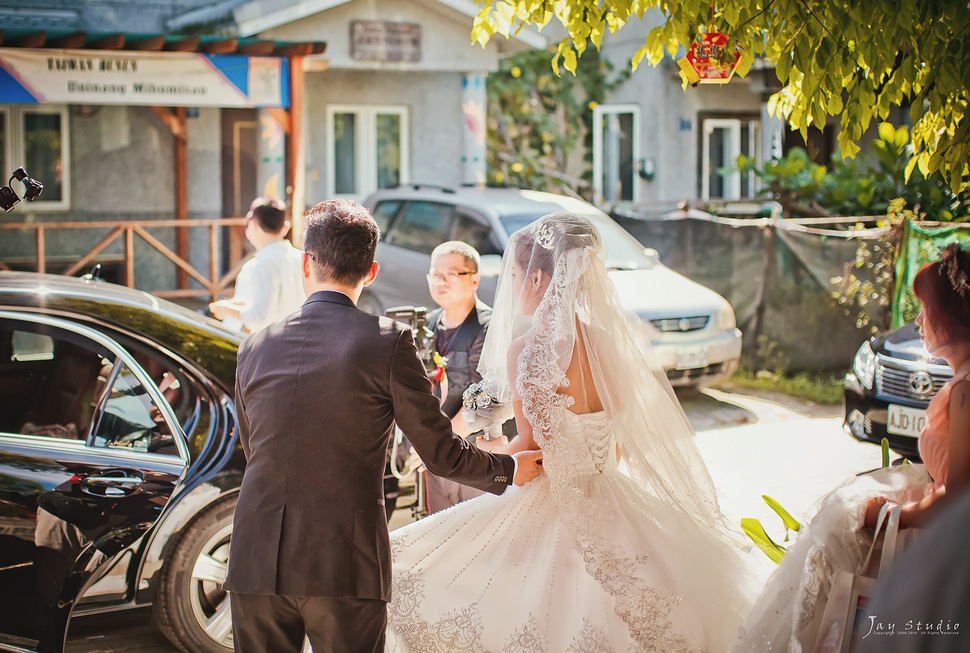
(169,79)
(382,41)
(708,62)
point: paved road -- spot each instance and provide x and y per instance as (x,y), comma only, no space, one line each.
(792,451)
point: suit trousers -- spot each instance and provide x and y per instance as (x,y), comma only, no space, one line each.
(263,623)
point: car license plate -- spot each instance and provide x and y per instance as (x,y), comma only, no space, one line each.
(905,421)
(689,358)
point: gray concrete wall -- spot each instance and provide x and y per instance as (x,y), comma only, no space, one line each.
(431,88)
(434,115)
(669,126)
(445,36)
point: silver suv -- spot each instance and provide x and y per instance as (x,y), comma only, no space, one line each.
(691,327)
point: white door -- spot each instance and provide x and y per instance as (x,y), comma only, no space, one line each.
(616,151)
(724,140)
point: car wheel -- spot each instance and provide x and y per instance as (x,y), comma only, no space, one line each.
(370,304)
(191,608)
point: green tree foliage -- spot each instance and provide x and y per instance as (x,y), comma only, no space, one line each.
(537,119)
(858,188)
(841,58)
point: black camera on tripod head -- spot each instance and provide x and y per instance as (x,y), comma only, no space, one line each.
(417,318)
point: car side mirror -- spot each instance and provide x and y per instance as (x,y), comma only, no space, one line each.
(490,265)
(652,255)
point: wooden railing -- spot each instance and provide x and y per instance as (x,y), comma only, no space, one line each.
(214,284)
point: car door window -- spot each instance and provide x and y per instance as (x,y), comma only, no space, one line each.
(384,212)
(131,419)
(475,231)
(422,226)
(50,381)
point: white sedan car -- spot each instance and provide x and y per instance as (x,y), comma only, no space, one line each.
(691,327)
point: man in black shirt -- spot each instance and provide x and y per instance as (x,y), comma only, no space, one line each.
(459,326)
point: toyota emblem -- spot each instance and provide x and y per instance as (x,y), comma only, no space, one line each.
(921,383)
(684,324)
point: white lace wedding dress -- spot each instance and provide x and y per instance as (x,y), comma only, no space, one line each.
(522,572)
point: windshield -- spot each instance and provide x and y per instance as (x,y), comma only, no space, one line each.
(621,251)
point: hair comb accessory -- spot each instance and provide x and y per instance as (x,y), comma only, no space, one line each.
(544,234)
(950,256)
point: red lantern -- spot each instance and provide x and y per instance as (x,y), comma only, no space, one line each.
(708,63)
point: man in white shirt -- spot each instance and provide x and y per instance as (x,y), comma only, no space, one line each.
(270,285)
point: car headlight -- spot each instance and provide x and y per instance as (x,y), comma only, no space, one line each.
(864,365)
(725,318)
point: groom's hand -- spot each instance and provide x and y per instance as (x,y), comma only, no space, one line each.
(528,466)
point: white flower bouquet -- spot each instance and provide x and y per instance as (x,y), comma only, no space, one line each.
(481,411)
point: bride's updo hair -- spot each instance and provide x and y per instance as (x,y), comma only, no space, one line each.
(943,287)
(540,245)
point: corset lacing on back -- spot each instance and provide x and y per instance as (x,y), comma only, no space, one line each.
(590,441)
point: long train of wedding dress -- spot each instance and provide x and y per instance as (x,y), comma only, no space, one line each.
(512,572)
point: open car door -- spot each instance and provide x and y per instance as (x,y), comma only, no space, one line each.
(90,454)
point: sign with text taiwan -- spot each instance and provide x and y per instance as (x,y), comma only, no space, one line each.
(708,63)
(169,79)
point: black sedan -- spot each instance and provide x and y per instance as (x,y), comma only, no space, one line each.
(119,461)
(892,380)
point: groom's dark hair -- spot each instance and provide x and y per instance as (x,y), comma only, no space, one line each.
(341,238)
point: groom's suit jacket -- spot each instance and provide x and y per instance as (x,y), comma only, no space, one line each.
(317,395)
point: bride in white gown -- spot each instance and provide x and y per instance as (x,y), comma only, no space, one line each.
(619,545)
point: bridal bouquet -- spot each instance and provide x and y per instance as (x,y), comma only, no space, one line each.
(481,411)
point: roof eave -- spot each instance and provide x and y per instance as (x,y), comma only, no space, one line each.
(257,16)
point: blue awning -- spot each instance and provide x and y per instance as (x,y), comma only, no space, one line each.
(38,67)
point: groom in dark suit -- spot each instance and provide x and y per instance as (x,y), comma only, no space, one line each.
(317,395)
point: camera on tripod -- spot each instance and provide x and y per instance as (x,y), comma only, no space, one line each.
(417,317)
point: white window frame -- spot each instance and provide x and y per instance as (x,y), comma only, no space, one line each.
(732,183)
(365,146)
(14,154)
(598,113)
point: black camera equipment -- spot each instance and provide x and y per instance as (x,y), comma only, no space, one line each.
(32,189)
(417,317)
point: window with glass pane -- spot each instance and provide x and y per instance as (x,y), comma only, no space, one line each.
(717,150)
(50,382)
(617,156)
(724,140)
(750,147)
(476,233)
(746,138)
(191,403)
(131,419)
(42,152)
(421,226)
(388,150)
(370,149)
(384,212)
(345,153)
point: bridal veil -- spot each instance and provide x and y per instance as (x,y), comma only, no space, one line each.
(526,357)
